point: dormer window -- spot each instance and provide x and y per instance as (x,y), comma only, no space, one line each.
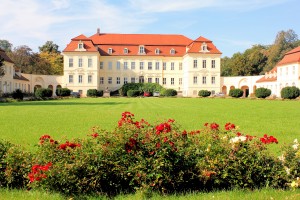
(109,50)
(125,51)
(157,51)
(172,51)
(80,46)
(204,47)
(141,49)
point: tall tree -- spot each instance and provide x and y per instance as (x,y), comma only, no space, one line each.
(21,56)
(49,51)
(2,71)
(5,45)
(49,47)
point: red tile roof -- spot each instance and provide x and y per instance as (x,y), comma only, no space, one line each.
(269,79)
(118,42)
(292,56)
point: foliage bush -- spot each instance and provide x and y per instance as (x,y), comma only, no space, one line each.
(204,93)
(17,94)
(63,92)
(130,86)
(137,156)
(133,93)
(262,92)
(290,92)
(236,93)
(168,92)
(94,93)
(151,87)
(43,93)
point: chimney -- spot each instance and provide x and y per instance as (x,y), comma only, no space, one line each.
(98,31)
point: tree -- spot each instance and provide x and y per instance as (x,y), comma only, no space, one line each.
(21,56)
(2,72)
(49,47)
(49,51)
(5,45)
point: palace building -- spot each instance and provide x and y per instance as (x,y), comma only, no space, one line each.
(106,61)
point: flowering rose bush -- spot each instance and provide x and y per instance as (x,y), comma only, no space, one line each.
(138,156)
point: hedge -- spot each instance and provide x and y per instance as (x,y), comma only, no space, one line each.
(18,94)
(204,93)
(236,93)
(168,92)
(290,92)
(133,93)
(262,92)
(94,93)
(43,93)
(63,92)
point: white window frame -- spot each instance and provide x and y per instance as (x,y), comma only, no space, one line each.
(71,62)
(132,65)
(90,79)
(125,65)
(172,81)
(101,65)
(172,51)
(141,49)
(204,80)
(157,51)
(109,80)
(90,62)
(203,64)
(172,66)
(118,81)
(101,80)
(118,65)
(213,64)
(157,80)
(80,79)
(71,79)
(125,51)
(80,62)
(195,80)
(109,51)
(149,65)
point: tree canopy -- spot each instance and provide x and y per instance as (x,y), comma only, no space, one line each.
(260,58)
(49,47)
(5,45)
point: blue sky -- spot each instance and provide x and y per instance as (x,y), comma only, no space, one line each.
(233,25)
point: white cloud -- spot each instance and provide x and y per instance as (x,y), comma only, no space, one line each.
(180,5)
(60,4)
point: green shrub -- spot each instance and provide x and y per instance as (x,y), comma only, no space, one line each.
(262,92)
(63,92)
(133,93)
(168,92)
(43,93)
(151,87)
(236,93)
(17,94)
(204,93)
(94,93)
(4,147)
(130,86)
(290,92)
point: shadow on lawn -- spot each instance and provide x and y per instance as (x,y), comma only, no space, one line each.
(58,103)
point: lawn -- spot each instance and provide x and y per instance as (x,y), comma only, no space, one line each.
(24,122)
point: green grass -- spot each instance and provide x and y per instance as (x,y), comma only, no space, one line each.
(264,194)
(24,122)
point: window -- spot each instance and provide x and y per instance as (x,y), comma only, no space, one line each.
(195,64)
(213,64)
(125,65)
(125,51)
(90,62)
(172,51)
(118,80)
(101,80)
(294,69)
(164,66)
(109,51)
(172,65)
(90,78)
(70,78)
(213,80)
(141,66)
(109,80)
(125,80)
(109,65)
(149,80)
(156,65)
(149,65)
(157,51)
(172,81)
(180,66)
(132,80)
(195,80)
(80,62)
(132,65)
(204,80)
(157,80)
(118,65)
(70,62)
(79,78)
(141,49)
(180,81)
(164,81)
(101,65)
(204,64)
(80,46)
(204,47)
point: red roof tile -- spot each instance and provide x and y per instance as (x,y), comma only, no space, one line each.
(265,79)
(292,56)
(132,42)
